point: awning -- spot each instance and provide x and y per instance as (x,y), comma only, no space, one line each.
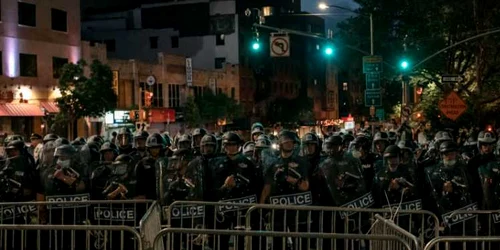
(50,107)
(20,109)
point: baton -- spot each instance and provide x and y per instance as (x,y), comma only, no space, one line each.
(15,182)
(459,184)
(295,172)
(352,175)
(403,180)
(243,177)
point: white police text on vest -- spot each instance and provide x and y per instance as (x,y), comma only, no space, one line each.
(364,201)
(300,199)
(61,199)
(187,212)
(114,214)
(252,199)
(11,212)
(458,215)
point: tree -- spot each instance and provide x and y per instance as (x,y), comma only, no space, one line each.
(418,29)
(210,107)
(83,96)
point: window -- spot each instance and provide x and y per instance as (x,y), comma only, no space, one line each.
(59,20)
(198,91)
(110,45)
(174,95)
(1,63)
(330,99)
(27,64)
(175,41)
(345,87)
(220,40)
(27,14)
(233,93)
(219,62)
(157,89)
(57,65)
(153,42)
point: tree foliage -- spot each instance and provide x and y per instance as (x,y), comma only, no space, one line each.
(417,29)
(209,108)
(83,96)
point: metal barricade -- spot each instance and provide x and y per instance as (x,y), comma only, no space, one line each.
(208,215)
(78,236)
(150,225)
(78,213)
(480,243)
(384,226)
(423,224)
(202,239)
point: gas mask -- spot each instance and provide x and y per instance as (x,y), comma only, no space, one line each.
(64,163)
(449,163)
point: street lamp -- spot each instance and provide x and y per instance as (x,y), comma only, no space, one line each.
(324,6)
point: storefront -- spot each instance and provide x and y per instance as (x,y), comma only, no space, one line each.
(114,121)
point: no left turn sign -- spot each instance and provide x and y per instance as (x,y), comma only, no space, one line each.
(280,46)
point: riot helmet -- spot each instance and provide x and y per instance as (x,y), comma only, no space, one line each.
(287,140)
(256,132)
(249,149)
(262,142)
(347,139)
(61,141)
(380,142)
(333,145)
(140,138)
(108,151)
(310,142)
(208,145)
(50,137)
(197,134)
(122,166)
(155,145)
(257,125)
(124,138)
(449,153)
(231,143)
(63,154)
(184,142)
(486,142)
(361,147)
(392,137)
(14,148)
(97,139)
(392,157)
(440,137)
(406,147)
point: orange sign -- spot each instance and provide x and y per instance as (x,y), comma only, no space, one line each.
(452,106)
(161,115)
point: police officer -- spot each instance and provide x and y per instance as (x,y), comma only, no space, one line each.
(202,163)
(264,155)
(184,142)
(286,183)
(65,181)
(380,142)
(248,150)
(140,138)
(124,138)
(148,168)
(450,188)
(235,179)
(36,145)
(197,134)
(17,182)
(256,132)
(481,171)
(361,150)
(168,145)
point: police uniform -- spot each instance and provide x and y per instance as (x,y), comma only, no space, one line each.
(148,169)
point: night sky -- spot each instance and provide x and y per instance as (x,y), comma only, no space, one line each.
(336,15)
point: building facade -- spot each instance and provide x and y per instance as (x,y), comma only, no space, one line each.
(209,35)
(37,37)
(174,81)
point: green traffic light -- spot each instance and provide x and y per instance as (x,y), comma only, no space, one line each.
(328,51)
(404,64)
(256,46)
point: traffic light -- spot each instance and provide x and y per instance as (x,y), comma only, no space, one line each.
(404,65)
(148,97)
(256,45)
(328,50)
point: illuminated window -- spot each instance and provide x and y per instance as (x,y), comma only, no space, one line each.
(345,86)
(174,95)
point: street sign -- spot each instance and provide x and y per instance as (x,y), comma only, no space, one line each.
(151,80)
(280,45)
(451,78)
(372,81)
(372,64)
(189,72)
(373,98)
(452,106)
(380,114)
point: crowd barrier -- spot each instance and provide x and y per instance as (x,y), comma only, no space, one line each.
(203,239)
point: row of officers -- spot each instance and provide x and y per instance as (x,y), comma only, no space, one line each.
(347,171)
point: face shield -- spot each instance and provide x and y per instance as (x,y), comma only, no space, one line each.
(449,159)
(108,156)
(140,144)
(120,169)
(392,163)
(207,149)
(154,151)
(310,149)
(123,140)
(231,149)
(287,145)
(12,152)
(197,141)
(333,149)
(184,145)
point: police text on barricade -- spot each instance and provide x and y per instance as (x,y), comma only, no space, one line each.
(364,201)
(300,199)
(252,199)
(459,217)
(119,214)
(496,217)
(61,199)
(409,205)
(187,211)
(11,212)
